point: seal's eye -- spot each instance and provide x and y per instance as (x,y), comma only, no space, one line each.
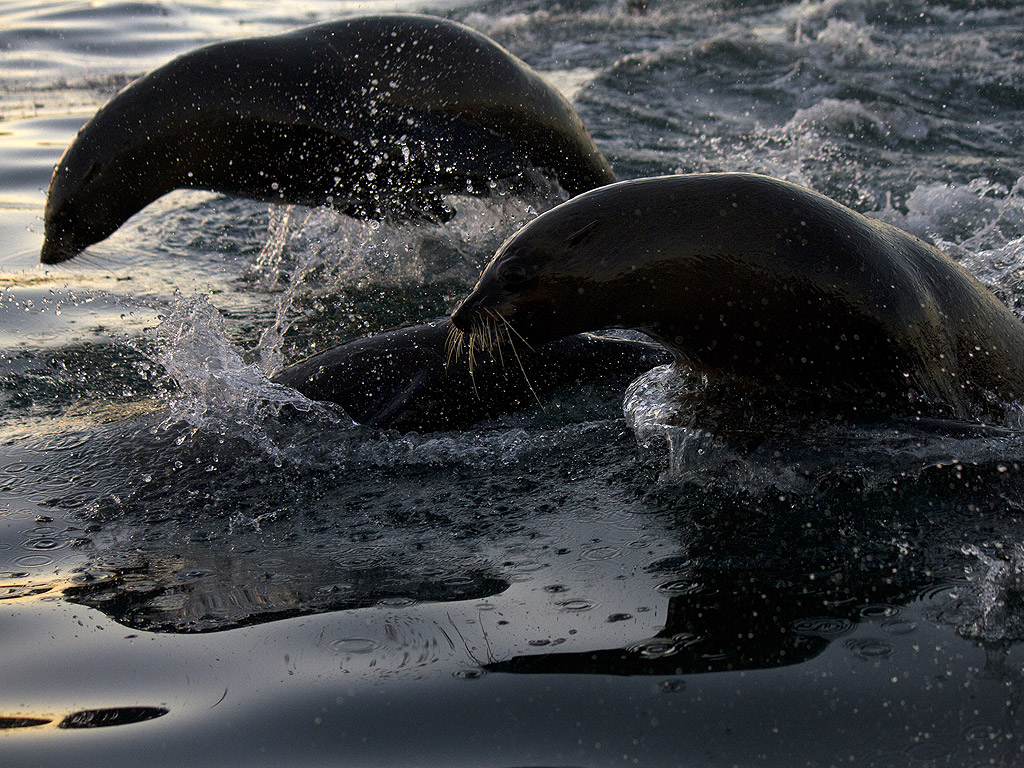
(512,274)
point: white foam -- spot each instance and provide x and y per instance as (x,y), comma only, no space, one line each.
(996,584)
(216,390)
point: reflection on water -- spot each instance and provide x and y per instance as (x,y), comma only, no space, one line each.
(197,569)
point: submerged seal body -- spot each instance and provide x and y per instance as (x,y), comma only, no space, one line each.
(372,115)
(764,285)
(405,379)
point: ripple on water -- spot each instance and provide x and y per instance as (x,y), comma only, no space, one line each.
(171,602)
(655,648)
(354,645)
(822,626)
(469,674)
(397,602)
(677,587)
(601,553)
(929,752)
(898,626)
(870,649)
(981,732)
(33,561)
(879,611)
(45,544)
(575,606)
(334,589)
(91,576)
(672,686)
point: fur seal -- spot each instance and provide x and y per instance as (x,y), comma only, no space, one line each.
(405,379)
(760,284)
(376,115)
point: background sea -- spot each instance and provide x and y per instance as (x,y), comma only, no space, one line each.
(198,568)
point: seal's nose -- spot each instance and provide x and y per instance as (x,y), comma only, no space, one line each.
(462,317)
(54,251)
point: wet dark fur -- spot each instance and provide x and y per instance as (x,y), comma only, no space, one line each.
(765,287)
(378,115)
(406,379)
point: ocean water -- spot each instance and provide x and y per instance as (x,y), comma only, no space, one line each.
(200,568)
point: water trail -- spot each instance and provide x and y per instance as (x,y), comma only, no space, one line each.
(669,412)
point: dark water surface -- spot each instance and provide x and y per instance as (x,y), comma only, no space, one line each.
(200,568)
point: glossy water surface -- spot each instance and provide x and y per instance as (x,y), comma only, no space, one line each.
(199,568)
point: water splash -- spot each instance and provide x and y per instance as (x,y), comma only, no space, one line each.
(215,390)
(996,587)
(979,216)
(336,277)
(673,415)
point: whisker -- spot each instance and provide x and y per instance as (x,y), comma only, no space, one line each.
(452,346)
(489,332)
(500,340)
(511,343)
(472,362)
(23,253)
(512,329)
(101,261)
(485,333)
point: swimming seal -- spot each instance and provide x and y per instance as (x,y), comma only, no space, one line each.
(374,115)
(761,284)
(404,379)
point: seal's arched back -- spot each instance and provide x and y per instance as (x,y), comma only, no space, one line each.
(761,283)
(374,115)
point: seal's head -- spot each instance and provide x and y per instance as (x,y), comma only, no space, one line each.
(521,294)
(91,194)
(609,258)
